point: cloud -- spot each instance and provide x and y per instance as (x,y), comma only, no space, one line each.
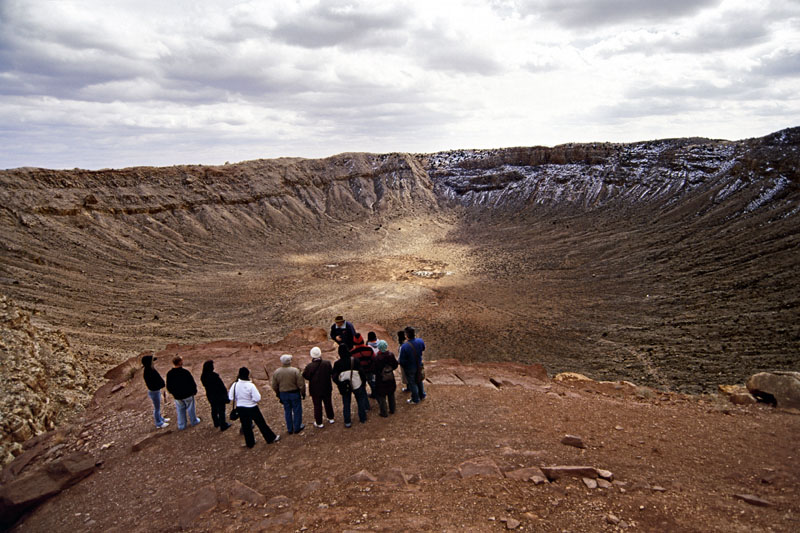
(344,24)
(594,13)
(782,63)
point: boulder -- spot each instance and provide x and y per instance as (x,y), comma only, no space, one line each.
(393,475)
(201,501)
(589,482)
(556,472)
(481,466)
(780,388)
(21,495)
(573,440)
(571,376)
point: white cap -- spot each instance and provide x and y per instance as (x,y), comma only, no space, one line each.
(316,353)
(286,359)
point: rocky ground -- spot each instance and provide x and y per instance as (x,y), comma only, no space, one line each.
(475,455)
(671,264)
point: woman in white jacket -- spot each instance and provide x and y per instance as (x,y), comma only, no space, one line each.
(245,398)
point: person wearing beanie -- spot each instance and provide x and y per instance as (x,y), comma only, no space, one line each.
(318,375)
(385,363)
(342,332)
(155,385)
(217,395)
(290,387)
(182,386)
(245,397)
(411,361)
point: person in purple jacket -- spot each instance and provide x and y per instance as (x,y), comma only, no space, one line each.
(411,361)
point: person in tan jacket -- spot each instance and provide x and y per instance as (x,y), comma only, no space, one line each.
(290,387)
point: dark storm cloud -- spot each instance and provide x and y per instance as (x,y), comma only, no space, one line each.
(329,24)
(591,13)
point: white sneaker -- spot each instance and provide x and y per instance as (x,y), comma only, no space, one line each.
(165,419)
(331,421)
(319,425)
(162,426)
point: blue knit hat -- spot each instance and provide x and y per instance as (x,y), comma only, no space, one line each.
(382,346)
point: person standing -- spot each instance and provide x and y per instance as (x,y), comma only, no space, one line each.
(364,360)
(155,386)
(182,386)
(385,386)
(289,385)
(411,361)
(372,341)
(217,395)
(318,375)
(342,332)
(401,338)
(245,397)
(348,380)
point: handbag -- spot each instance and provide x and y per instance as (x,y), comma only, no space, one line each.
(235,411)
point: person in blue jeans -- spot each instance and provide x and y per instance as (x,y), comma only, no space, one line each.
(182,386)
(290,387)
(155,388)
(347,379)
(411,361)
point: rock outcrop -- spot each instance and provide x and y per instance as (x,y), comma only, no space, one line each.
(780,388)
(42,382)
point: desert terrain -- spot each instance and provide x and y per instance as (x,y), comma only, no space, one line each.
(671,264)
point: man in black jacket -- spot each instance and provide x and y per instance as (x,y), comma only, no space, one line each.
(181,385)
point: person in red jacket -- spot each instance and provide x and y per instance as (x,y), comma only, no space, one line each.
(318,375)
(364,357)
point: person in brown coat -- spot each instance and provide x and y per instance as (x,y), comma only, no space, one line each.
(318,375)
(289,385)
(385,363)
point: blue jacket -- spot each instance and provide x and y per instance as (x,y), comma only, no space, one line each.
(407,359)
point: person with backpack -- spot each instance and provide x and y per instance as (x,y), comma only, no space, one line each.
(245,397)
(217,395)
(290,387)
(385,363)
(318,374)
(348,380)
(364,361)
(401,338)
(155,388)
(411,361)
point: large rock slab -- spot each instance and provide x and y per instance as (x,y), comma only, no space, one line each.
(23,494)
(781,388)
(556,472)
(201,501)
(480,466)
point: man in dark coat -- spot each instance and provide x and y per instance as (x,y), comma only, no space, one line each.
(217,395)
(318,375)
(342,332)
(181,385)
(411,361)
(364,357)
(385,363)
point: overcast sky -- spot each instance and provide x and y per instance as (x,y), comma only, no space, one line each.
(95,84)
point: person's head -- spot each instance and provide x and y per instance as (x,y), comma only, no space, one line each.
(208,366)
(286,359)
(344,352)
(339,320)
(358,339)
(410,333)
(147,361)
(401,336)
(383,346)
(316,353)
(371,337)
(177,361)
(244,373)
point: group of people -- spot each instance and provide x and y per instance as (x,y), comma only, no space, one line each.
(364,370)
